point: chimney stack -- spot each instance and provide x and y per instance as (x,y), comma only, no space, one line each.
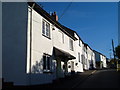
(54,15)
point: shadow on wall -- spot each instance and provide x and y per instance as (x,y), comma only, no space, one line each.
(37,68)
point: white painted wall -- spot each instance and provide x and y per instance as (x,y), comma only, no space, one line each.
(85,59)
(16,47)
(57,41)
(78,49)
(40,45)
(94,61)
(103,59)
(91,58)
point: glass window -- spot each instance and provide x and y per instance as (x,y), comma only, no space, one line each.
(63,37)
(46,29)
(46,62)
(71,44)
(43,27)
(79,57)
(79,43)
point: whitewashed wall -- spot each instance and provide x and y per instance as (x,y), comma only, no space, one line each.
(103,59)
(91,57)
(78,49)
(94,61)
(57,41)
(40,45)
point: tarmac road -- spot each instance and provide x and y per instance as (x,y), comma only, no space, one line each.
(109,78)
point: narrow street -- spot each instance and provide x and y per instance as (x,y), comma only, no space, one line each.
(102,79)
(109,78)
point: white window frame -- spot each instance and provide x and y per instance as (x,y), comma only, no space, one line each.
(62,36)
(45,29)
(71,44)
(47,67)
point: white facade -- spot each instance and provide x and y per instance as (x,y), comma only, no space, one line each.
(84,57)
(101,59)
(31,48)
(76,65)
(91,58)
(40,45)
(37,49)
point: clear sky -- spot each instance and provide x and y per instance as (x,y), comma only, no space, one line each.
(95,22)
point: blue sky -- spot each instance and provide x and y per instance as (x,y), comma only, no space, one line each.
(95,22)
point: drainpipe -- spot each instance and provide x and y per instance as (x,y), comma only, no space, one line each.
(30,42)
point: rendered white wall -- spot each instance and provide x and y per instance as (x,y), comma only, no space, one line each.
(78,49)
(40,45)
(58,44)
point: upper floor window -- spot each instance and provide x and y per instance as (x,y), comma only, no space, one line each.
(79,43)
(63,37)
(46,28)
(79,57)
(71,44)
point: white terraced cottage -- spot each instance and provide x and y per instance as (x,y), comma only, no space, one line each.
(37,49)
(91,58)
(100,60)
(76,65)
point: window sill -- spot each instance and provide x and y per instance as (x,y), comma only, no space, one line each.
(46,36)
(71,50)
(47,72)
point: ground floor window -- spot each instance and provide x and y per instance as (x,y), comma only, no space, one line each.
(46,62)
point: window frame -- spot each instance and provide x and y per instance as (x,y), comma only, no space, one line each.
(46,29)
(63,38)
(71,46)
(46,63)
(79,57)
(80,43)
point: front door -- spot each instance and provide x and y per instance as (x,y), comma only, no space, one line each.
(58,69)
(72,66)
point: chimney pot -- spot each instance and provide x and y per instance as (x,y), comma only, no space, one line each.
(54,15)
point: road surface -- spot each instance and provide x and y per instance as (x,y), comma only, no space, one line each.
(101,79)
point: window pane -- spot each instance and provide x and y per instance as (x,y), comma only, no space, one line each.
(48,63)
(44,62)
(79,42)
(47,30)
(71,44)
(79,57)
(62,37)
(43,27)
